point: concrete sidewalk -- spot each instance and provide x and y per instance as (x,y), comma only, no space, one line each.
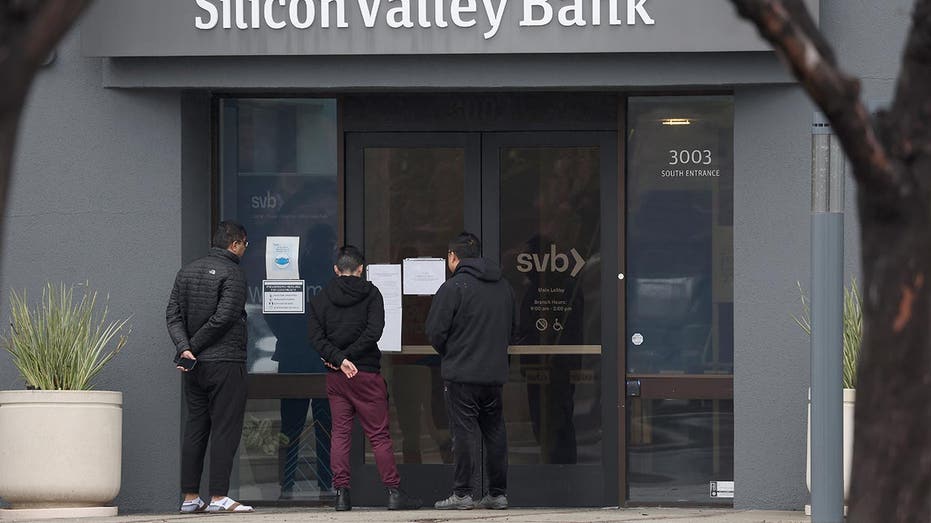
(555,515)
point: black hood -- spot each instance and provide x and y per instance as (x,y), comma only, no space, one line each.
(481,268)
(345,291)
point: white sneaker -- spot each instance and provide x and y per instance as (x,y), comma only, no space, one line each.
(227,504)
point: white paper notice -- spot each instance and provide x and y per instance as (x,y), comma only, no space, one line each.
(388,280)
(391,337)
(424,276)
(281,254)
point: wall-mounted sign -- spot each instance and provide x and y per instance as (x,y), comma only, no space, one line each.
(327,27)
(283,297)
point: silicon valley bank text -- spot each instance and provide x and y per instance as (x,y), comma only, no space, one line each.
(406,14)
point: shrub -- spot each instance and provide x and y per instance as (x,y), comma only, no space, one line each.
(853,328)
(62,343)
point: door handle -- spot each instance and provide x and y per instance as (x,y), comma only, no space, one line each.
(633,388)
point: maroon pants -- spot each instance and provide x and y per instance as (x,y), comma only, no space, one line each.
(364,395)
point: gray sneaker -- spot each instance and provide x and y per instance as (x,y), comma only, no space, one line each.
(494,502)
(455,502)
(193,506)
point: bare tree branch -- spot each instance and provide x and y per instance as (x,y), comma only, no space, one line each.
(788,26)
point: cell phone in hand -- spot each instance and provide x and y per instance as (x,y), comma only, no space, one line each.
(186,363)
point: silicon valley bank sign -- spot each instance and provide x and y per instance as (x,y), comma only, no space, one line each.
(148,28)
(408,14)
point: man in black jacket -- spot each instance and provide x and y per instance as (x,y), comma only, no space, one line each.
(346,322)
(470,324)
(207,322)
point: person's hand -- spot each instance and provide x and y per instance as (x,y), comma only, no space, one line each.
(189,355)
(348,368)
(329,365)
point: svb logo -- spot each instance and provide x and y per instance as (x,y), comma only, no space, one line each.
(551,261)
(267,201)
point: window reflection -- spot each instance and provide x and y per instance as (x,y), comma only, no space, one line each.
(677,447)
(275,467)
(414,204)
(550,245)
(680,230)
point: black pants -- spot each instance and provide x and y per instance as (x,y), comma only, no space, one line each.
(476,415)
(215,393)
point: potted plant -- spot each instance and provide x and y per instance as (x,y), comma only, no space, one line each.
(853,333)
(60,442)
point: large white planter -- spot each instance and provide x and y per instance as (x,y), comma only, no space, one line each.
(60,452)
(850,396)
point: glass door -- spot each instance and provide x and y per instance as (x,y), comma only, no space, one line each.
(680,312)
(538,201)
(548,202)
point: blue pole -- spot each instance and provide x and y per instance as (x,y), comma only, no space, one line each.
(827,328)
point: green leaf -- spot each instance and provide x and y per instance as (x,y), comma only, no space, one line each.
(62,343)
(853,328)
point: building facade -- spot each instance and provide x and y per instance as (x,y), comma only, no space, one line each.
(640,168)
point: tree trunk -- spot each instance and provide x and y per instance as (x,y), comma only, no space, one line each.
(891,157)
(891,478)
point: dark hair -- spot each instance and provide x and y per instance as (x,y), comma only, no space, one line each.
(466,245)
(349,258)
(227,233)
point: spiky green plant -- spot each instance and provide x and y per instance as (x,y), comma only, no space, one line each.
(853,328)
(62,344)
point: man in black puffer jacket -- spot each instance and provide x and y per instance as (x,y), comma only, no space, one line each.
(346,322)
(470,324)
(207,322)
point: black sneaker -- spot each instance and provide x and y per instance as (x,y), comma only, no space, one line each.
(494,502)
(343,502)
(455,502)
(399,500)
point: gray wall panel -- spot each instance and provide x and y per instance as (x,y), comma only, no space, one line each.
(772,135)
(97,197)
(868,36)
(584,71)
